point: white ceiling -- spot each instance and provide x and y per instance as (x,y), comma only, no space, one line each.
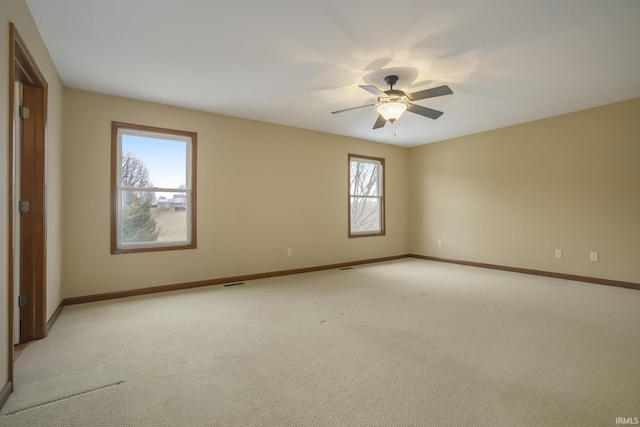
(292,62)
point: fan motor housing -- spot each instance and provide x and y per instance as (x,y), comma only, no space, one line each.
(393,93)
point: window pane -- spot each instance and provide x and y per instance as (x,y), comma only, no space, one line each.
(153,162)
(364,178)
(365,214)
(138,222)
(147,218)
(171,217)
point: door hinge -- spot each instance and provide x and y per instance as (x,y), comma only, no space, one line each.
(23,300)
(23,206)
(24,112)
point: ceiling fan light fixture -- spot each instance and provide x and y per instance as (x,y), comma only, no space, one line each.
(392,111)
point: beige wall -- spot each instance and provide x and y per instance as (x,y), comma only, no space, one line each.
(262,188)
(509,197)
(16,11)
(512,196)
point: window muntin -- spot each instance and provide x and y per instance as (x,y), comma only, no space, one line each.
(153,189)
(366,196)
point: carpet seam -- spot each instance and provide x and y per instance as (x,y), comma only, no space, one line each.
(62,398)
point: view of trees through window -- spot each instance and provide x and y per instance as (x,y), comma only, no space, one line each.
(366,202)
(138,218)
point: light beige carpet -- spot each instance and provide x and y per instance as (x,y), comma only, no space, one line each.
(403,343)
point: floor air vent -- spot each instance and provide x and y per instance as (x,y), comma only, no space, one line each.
(233,284)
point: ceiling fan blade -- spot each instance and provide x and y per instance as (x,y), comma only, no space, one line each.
(430,93)
(374,90)
(352,108)
(380,122)
(424,111)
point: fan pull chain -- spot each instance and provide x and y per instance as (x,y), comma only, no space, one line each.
(393,127)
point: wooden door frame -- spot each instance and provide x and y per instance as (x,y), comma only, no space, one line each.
(23,68)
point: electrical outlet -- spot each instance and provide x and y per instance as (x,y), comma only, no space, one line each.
(594,256)
(558,253)
(439,242)
(289,251)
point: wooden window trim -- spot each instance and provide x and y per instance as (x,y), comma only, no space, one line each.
(383,225)
(115,126)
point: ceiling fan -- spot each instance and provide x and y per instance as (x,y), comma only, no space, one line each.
(392,103)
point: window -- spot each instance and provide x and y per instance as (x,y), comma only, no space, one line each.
(366,196)
(153,189)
